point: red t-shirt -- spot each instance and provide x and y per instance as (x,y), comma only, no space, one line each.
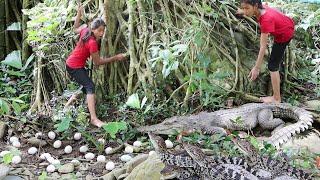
(277,24)
(78,57)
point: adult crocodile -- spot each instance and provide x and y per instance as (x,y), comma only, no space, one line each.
(245,117)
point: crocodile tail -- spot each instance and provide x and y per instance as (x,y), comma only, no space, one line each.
(303,122)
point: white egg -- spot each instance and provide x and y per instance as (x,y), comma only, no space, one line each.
(101,158)
(52,135)
(75,162)
(151,153)
(51,168)
(77,136)
(13,139)
(108,150)
(169,144)
(89,156)
(32,150)
(57,144)
(125,158)
(128,149)
(38,134)
(16,159)
(102,141)
(45,155)
(55,162)
(137,143)
(16,144)
(50,159)
(68,149)
(110,165)
(83,149)
(4,153)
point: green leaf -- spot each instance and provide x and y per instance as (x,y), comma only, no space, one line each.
(112,128)
(13,59)
(133,101)
(143,102)
(64,124)
(28,62)
(14,27)
(7,158)
(15,73)
(4,106)
(43,175)
(16,108)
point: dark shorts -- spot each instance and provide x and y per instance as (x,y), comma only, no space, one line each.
(276,56)
(81,76)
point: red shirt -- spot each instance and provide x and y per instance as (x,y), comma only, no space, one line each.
(78,57)
(277,24)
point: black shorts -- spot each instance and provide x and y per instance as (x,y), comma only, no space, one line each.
(276,56)
(81,76)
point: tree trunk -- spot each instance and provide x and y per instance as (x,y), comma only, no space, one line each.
(25,48)
(2,30)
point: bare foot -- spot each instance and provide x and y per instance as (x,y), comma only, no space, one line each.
(269,99)
(97,122)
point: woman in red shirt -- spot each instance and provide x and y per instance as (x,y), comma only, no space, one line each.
(88,46)
(281,27)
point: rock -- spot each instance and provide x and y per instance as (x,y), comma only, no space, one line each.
(4,171)
(149,169)
(109,176)
(66,168)
(36,142)
(78,175)
(3,129)
(13,178)
(311,142)
(135,162)
(89,177)
(313,104)
(118,171)
(54,175)
(66,176)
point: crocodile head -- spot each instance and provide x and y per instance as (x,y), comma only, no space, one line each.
(169,126)
(157,142)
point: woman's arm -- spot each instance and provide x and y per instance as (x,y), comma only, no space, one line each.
(263,48)
(77,28)
(97,60)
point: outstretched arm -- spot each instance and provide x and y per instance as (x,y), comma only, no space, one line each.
(77,27)
(97,60)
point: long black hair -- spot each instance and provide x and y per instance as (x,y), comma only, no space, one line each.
(253,3)
(96,23)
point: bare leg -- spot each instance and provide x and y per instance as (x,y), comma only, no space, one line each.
(92,109)
(275,81)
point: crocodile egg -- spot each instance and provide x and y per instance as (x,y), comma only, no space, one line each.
(108,150)
(128,150)
(13,139)
(38,134)
(151,153)
(101,158)
(68,149)
(50,159)
(137,143)
(169,144)
(83,149)
(32,150)
(77,136)
(16,144)
(100,140)
(51,168)
(110,165)
(89,156)
(125,158)
(45,156)
(16,159)
(55,162)
(4,153)
(57,144)
(51,135)
(75,162)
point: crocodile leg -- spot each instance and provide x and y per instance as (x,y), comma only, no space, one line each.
(266,120)
(210,130)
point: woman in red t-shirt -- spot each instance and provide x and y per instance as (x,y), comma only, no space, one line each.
(75,64)
(281,28)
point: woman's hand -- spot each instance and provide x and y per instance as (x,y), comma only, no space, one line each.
(254,73)
(121,57)
(80,10)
